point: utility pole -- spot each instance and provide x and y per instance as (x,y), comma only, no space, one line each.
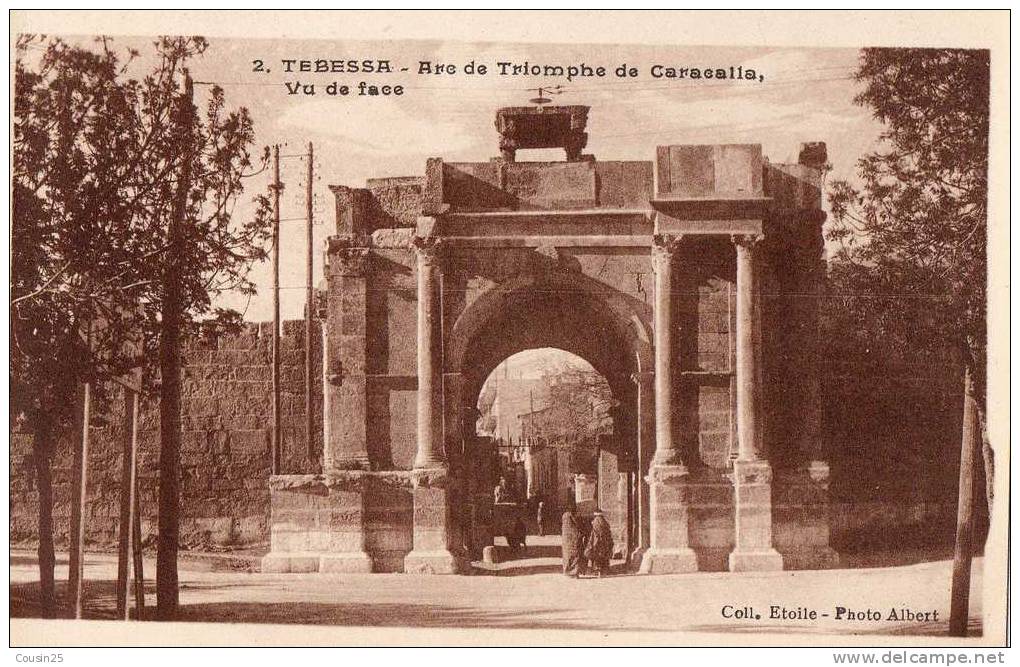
(276,187)
(309,311)
(960,592)
(134,516)
(78,561)
(129,552)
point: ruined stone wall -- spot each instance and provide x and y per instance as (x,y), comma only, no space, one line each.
(226,420)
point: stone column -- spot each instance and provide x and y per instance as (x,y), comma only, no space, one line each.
(752,474)
(663,252)
(430,454)
(431,482)
(669,546)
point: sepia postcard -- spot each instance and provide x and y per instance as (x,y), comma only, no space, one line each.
(518,328)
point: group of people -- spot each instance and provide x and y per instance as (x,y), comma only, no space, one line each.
(586,548)
(587,544)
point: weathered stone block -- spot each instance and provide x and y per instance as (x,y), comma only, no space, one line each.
(624,184)
(670,550)
(753,511)
(432,531)
(552,185)
(713,398)
(722,171)
(714,321)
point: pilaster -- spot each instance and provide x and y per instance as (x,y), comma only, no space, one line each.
(345,402)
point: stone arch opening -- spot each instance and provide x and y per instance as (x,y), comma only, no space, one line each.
(544,415)
(549,309)
(549,312)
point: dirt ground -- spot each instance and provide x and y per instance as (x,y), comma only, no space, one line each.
(532,594)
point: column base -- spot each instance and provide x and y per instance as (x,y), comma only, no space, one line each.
(350,563)
(754,551)
(766,560)
(434,562)
(668,561)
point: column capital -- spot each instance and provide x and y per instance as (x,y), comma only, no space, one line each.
(746,241)
(345,257)
(665,245)
(428,249)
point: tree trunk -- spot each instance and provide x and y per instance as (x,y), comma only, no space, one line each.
(960,592)
(42,453)
(169,466)
(167,595)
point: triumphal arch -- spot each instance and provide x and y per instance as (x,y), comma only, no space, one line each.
(690,281)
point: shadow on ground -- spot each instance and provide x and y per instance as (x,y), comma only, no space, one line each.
(385,615)
(101,605)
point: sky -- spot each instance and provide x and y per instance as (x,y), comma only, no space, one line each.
(806,95)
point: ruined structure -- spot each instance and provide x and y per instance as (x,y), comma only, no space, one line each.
(688,281)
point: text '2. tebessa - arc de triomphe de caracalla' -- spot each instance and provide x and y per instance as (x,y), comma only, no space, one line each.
(685,280)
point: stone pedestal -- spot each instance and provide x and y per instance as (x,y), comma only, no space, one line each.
(753,550)
(542,127)
(346,547)
(431,553)
(318,524)
(670,551)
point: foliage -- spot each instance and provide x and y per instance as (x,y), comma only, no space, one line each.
(580,400)
(912,236)
(96,158)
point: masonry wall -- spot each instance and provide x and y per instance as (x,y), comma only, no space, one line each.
(704,311)
(226,420)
